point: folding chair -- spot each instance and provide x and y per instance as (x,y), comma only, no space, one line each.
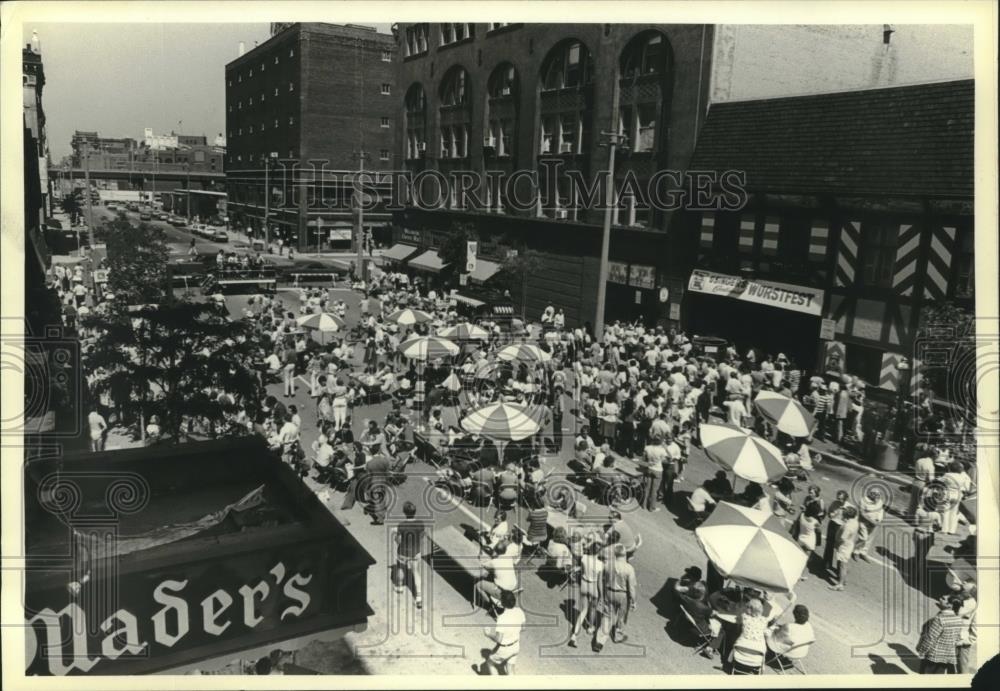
(787,663)
(705,636)
(742,658)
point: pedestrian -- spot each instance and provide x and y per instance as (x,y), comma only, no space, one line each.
(589,588)
(289,356)
(968,636)
(835,514)
(619,597)
(871,515)
(927,524)
(506,637)
(844,543)
(923,473)
(98,430)
(841,411)
(410,540)
(822,402)
(656,458)
(939,637)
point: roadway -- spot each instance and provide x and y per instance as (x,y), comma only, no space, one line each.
(872,626)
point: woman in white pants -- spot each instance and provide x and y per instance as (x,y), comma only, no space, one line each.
(339,404)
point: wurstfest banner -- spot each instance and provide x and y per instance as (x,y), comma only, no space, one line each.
(782,295)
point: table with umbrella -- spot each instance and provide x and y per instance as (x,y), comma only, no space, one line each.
(321,324)
(785,413)
(743,452)
(502,422)
(409,317)
(423,349)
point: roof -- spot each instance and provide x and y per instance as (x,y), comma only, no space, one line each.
(912,141)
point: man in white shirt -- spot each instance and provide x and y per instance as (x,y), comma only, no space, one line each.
(98,426)
(700,498)
(737,411)
(506,635)
(503,568)
(793,640)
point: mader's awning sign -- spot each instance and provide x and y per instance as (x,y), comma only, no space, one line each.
(771,293)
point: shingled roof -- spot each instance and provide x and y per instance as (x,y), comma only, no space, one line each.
(909,141)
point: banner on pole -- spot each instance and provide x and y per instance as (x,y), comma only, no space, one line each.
(472,249)
(771,293)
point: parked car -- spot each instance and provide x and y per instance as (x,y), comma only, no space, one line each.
(219,235)
(145,216)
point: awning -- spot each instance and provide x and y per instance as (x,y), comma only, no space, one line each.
(428,261)
(466,300)
(485,270)
(399,252)
(503,310)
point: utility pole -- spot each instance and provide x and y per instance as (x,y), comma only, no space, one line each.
(614,139)
(267,200)
(359,223)
(188,187)
(90,205)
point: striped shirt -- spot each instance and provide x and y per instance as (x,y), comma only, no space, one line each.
(822,403)
(939,637)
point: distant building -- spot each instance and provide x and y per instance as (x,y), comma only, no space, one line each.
(311,92)
(37,191)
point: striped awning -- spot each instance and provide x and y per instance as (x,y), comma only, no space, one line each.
(428,261)
(466,300)
(399,252)
(484,271)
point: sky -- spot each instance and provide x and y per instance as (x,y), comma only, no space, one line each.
(120,78)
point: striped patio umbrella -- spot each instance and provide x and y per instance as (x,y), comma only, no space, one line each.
(785,413)
(751,547)
(503,421)
(427,348)
(743,452)
(523,352)
(409,317)
(324,321)
(465,332)
(452,383)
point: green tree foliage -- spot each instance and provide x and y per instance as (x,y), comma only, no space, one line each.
(453,250)
(172,360)
(137,260)
(71,205)
(515,269)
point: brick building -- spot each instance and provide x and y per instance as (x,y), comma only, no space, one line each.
(862,200)
(509,97)
(304,103)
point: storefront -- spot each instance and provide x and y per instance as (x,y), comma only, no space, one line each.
(771,316)
(397,255)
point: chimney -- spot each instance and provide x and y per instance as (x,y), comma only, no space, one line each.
(241,50)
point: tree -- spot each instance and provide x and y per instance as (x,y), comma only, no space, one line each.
(137,261)
(454,250)
(172,360)
(71,205)
(515,269)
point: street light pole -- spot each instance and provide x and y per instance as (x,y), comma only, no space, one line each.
(267,205)
(360,222)
(90,206)
(602,280)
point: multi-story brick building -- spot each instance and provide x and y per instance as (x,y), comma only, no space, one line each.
(302,106)
(860,203)
(510,97)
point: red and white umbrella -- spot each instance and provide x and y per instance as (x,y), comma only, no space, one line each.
(427,348)
(504,421)
(752,547)
(785,413)
(523,352)
(742,451)
(465,332)
(409,317)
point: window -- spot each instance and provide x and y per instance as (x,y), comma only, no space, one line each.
(275,91)
(291,86)
(878,254)
(230,82)
(501,82)
(497,25)
(262,96)
(239,77)
(548,134)
(291,119)
(276,122)
(239,106)
(275,59)
(386,56)
(240,132)
(291,52)
(386,89)
(415,107)
(383,122)
(568,134)
(965,264)
(416,39)
(262,127)
(383,155)
(251,101)
(567,65)
(453,88)
(262,67)
(862,361)
(645,127)
(645,54)
(230,107)
(793,240)
(239,157)
(251,129)
(447,34)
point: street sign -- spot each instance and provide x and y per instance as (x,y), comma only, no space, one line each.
(101,276)
(827,329)
(664,294)
(675,311)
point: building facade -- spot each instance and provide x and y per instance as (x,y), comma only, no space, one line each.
(537,98)
(37,188)
(304,110)
(859,217)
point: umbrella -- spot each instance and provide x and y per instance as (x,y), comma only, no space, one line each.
(785,413)
(752,547)
(324,321)
(427,348)
(452,383)
(409,317)
(749,456)
(501,420)
(524,352)
(465,332)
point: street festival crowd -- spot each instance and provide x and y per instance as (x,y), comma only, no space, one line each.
(643,398)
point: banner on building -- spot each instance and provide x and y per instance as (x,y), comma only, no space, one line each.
(641,276)
(471,252)
(782,295)
(618,272)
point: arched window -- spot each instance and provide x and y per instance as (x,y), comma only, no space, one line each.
(644,54)
(415,112)
(501,110)
(455,113)
(568,65)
